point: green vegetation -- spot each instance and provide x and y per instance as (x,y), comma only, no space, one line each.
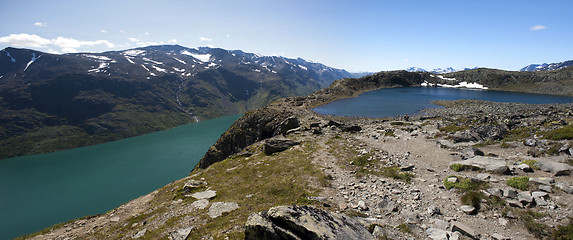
(395,173)
(472,198)
(458,167)
(530,163)
(528,217)
(389,133)
(404,228)
(521,183)
(564,133)
(465,184)
(398,123)
(564,232)
(452,128)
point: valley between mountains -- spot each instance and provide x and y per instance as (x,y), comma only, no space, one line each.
(472,170)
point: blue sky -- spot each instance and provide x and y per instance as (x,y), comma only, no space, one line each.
(354,35)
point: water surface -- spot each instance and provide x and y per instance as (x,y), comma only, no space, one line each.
(41,190)
(390,102)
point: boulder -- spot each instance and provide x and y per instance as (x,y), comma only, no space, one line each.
(218,208)
(208,194)
(437,234)
(525,198)
(545,188)
(277,145)
(468,209)
(524,167)
(558,169)
(495,191)
(200,204)
(565,188)
(530,142)
(490,164)
(543,180)
(180,234)
(139,234)
(351,129)
(510,193)
(489,132)
(470,152)
(303,222)
(463,229)
(288,124)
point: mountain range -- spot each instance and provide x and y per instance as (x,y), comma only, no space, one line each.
(51,102)
(437,70)
(547,66)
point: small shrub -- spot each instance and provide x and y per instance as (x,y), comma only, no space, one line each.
(389,133)
(400,124)
(564,232)
(540,230)
(530,163)
(465,184)
(521,183)
(452,128)
(404,228)
(495,201)
(395,173)
(458,167)
(361,161)
(472,198)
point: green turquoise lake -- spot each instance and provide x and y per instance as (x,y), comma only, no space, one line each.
(42,190)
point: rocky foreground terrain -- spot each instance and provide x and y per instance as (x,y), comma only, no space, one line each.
(472,170)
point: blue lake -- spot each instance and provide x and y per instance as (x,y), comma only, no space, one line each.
(390,102)
(41,190)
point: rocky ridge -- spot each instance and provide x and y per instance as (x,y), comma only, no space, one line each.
(473,170)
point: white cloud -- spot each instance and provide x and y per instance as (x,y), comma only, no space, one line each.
(103,31)
(227,35)
(172,41)
(133,39)
(69,50)
(73,43)
(146,33)
(121,31)
(41,24)
(537,28)
(25,40)
(205,39)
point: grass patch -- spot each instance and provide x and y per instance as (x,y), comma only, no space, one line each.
(400,123)
(452,128)
(564,133)
(465,184)
(521,183)
(361,161)
(404,228)
(395,173)
(389,133)
(540,230)
(458,167)
(530,163)
(564,232)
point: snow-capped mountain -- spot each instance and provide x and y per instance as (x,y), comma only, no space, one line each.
(125,93)
(547,66)
(437,70)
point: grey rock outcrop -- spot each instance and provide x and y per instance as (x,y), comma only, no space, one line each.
(490,164)
(277,145)
(218,208)
(302,222)
(558,169)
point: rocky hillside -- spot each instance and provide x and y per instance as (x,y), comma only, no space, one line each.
(558,82)
(97,97)
(473,170)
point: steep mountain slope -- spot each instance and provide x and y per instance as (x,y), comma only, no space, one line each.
(547,66)
(52,102)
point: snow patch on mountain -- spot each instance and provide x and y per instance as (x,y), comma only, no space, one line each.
(101,66)
(133,52)
(34,58)
(102,58)
(152,61)
(438,70)
(179,60)
(11,58)
(159,69)
(201,57)
(129,59)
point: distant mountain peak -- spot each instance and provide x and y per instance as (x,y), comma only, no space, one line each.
(546,66)
(437,70)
